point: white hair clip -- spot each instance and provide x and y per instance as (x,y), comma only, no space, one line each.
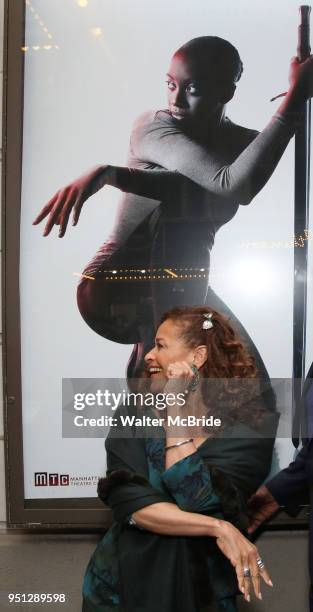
(207,324)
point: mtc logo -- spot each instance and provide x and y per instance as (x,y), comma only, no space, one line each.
(43,479)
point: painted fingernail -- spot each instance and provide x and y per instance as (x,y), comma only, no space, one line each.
(270,583)
(248,597)
(260,596)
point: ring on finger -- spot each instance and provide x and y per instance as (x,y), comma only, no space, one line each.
(260,563)
(246,572)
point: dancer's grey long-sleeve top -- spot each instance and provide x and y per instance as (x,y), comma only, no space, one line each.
(200,184)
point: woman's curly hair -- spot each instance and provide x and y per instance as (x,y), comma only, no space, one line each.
(235,395)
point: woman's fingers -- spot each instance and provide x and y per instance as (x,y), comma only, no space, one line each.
(265,575)
(64,217)
(240,576)
(73,196)
(300,75)
(241,567)
(249,572)
(246,579)
(60,212)
(245,558)
(258,571)
(77,210)
(53,218)
(188,370)
(255,572)
(55,215)
(230,547)
(45,210)
(59,209)
(178,369)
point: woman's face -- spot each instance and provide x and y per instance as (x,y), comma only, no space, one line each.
(169,348)
(192,98)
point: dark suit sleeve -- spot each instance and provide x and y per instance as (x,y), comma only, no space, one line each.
(290,487)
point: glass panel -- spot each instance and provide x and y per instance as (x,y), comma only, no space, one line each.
(91,68)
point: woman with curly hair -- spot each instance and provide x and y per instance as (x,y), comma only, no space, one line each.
(178,492)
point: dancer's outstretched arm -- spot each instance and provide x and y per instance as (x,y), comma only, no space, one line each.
(153,184)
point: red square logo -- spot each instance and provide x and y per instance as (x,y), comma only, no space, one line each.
(53,480)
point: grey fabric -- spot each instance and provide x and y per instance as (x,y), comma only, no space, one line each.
(194,188)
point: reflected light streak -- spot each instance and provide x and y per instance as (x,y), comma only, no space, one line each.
(39,20)
(170,272)
(297,242)
(39,48)
(136,274)
(83,276)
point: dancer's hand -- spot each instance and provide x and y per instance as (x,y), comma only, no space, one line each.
(71,198)
(243,555)
(301,77)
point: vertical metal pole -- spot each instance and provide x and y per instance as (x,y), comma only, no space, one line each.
(301,224)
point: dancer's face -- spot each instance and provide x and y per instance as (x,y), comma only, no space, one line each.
(193,98)
(169,348)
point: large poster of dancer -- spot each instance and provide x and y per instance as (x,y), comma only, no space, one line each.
(188,200)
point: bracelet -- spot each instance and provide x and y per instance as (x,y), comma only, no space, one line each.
(179,444)
(131,521)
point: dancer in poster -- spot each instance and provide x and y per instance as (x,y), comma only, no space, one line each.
(189,169)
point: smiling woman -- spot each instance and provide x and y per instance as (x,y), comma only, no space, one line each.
(190,483)
(196,344)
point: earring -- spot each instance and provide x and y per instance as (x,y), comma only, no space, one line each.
(196,378)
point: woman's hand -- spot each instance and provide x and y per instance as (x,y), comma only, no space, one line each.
(180,375)
(301,77)
(71,198)
(243,555)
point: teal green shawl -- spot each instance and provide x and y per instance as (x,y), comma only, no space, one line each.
(171,573)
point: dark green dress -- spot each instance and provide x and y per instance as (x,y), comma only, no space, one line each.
(135,570)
